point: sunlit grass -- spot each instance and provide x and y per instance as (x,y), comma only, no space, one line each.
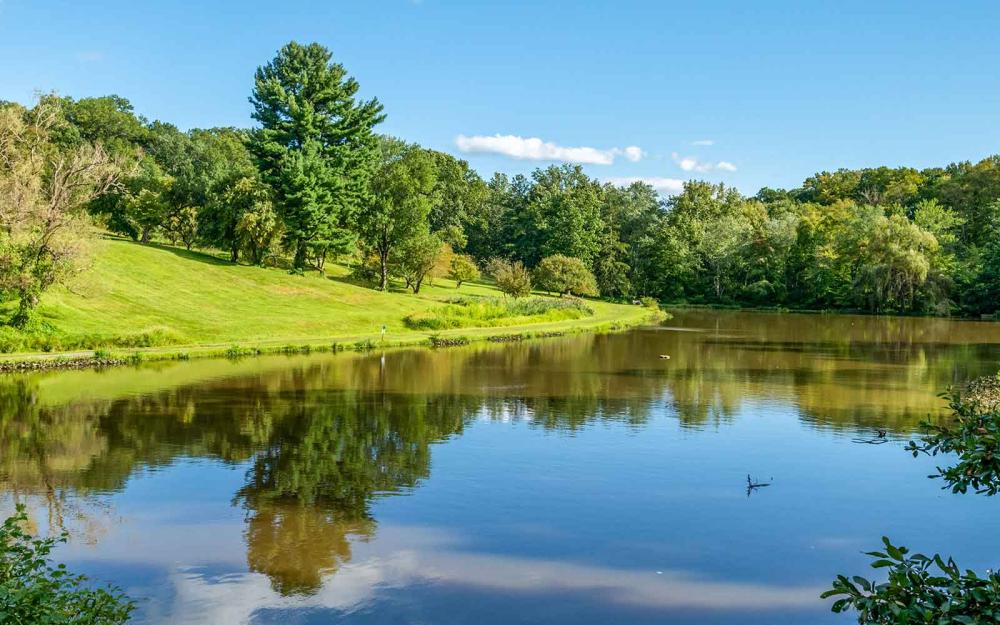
(152,296)
(496,312)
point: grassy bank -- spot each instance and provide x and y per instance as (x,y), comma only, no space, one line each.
(167,302)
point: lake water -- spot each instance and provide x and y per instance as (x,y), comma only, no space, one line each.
(569,480)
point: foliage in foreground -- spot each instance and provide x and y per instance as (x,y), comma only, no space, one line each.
(974,436)
(495,311)
(920,589)
(33,591)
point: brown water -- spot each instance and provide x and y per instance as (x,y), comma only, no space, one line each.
(581,479)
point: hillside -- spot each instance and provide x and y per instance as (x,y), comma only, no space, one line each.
(140,296)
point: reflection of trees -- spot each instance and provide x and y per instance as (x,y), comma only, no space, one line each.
(327,457)
(838,371)
(296,545)
(324,436)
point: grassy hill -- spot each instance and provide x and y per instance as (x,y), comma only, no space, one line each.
(151,296)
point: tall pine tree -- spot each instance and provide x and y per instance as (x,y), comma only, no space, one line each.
(315,146)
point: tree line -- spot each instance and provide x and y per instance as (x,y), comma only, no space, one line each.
(313,180)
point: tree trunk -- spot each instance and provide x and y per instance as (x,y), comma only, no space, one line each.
(300,255)
(383,260)
(234,254)
(24,309)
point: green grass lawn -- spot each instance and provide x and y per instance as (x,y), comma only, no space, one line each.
(136,295)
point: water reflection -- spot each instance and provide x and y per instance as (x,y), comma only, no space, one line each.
(305,448)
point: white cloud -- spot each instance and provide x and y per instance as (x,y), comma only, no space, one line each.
(703,142)
(534,149)
(691,163)
(665,186)
(633,153)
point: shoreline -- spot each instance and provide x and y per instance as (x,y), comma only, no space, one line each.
(106,358)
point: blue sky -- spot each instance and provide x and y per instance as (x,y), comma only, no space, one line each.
(750,93)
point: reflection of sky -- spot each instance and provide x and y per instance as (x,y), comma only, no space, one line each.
(609,522)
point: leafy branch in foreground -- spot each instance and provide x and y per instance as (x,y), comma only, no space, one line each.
(34,591)
(974,436)
(920,589)
(923,589)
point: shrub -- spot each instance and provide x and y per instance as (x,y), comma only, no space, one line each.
(32,590)
(565,275)
(494,311)
(649,302)
(364,345)
(462,269)
(973,435)
(511,277)
(917,593)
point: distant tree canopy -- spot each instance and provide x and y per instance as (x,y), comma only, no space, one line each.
(312,180)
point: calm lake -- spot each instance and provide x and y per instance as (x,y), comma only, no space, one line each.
(567,480)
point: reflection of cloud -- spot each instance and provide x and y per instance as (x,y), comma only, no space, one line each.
(653,589)
(406,556)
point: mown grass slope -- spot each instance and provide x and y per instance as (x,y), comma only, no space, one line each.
(136,295)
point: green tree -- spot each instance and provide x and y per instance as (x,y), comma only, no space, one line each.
(458,193)
(418,255)
(44,192)
(562,215)
(315,146)
(401,200)
(182,225)
(257,225)
(512,278)
(146,202)
(219,158)
(462,269)
(565,275)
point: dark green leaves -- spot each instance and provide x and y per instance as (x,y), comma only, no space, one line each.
(33,591)
(315,146)
(973,435)
(919,589)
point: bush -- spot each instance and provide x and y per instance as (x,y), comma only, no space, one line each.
(565,275)
(649,302)
(916,593)
(494,311)
(364,345)
(463,269)
(32,590)
(973,435)
(511,277)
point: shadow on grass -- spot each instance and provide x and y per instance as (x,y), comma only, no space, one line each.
(203,257)
(395,286)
